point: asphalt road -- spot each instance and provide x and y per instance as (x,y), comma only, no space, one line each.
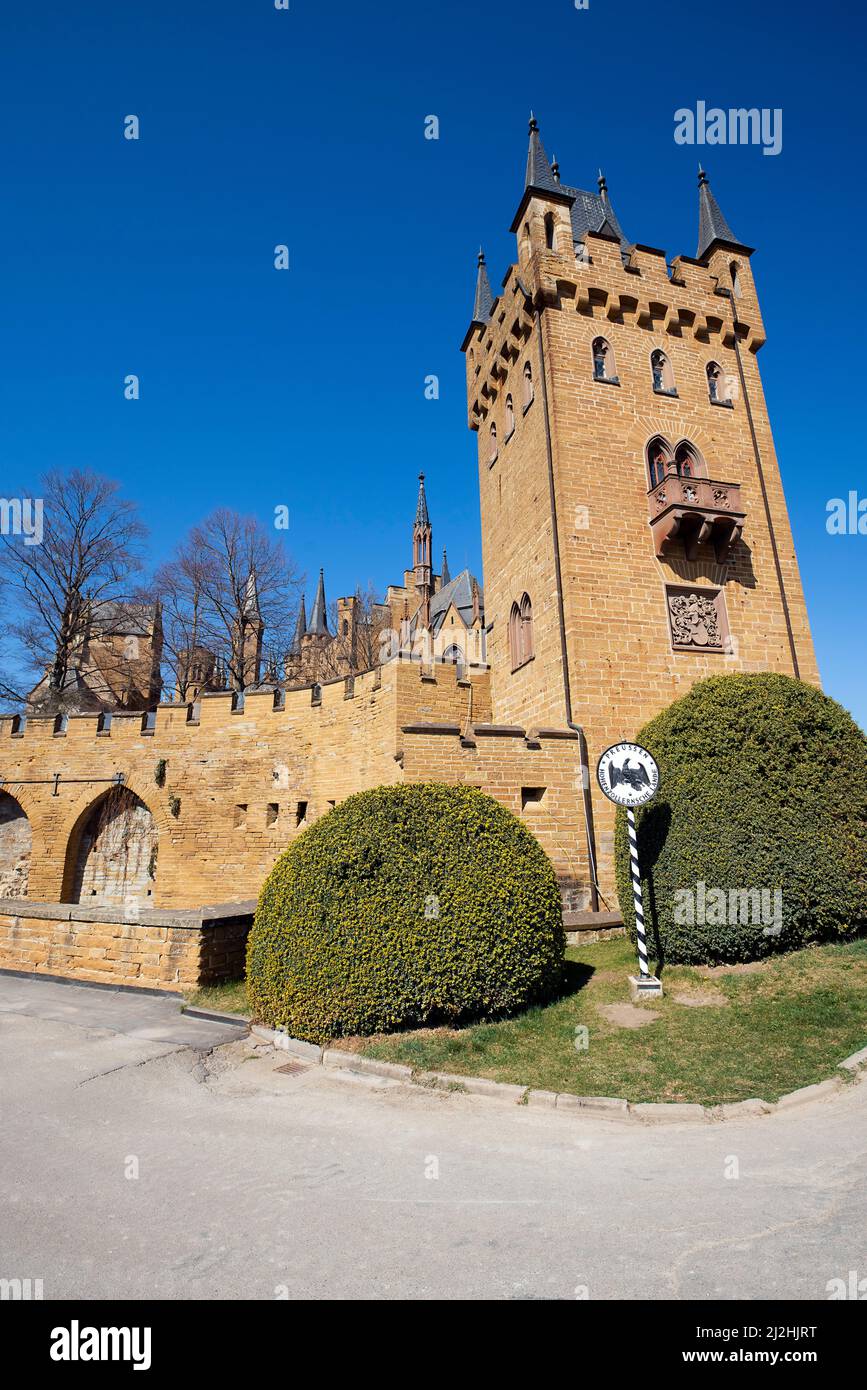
(135,1163)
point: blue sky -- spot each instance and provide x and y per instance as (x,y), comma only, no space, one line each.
(306,127)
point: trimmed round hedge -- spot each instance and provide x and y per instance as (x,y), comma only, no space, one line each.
(404,906)
(763,789)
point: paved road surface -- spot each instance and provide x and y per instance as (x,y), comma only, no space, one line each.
(254,1183)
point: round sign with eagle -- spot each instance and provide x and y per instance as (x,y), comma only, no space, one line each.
(628,774)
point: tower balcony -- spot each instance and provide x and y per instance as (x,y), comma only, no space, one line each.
(697,511)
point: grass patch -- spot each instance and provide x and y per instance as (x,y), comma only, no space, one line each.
(230,998)
(783,1025)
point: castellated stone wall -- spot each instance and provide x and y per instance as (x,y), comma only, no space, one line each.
(211,797)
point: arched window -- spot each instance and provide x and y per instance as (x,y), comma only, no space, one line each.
(660,458)
(715,383)
(515,637)
(688,462)
(521,644)
(345,627)
(736,279)
(529,389)
(603,361)
(663,376)
(493,454)
(510,417)
(549,231)
(527,646)
(455,657)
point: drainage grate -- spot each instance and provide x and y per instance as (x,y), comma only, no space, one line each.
(291,1069)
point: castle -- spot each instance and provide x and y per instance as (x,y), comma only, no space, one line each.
(635,540)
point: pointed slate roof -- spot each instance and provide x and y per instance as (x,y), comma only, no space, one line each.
(421,515)
(539,172)
(318,624)
(251,595)
(593,212)
(300,629)
(541,177)
(712,226)
(445,577)
(458,591)
(484,298)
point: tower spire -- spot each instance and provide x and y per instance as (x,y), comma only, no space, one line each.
(421,512)
(421,555)
(445,577)
(318,625)
(251,596)
(300,630)
(484,298)
(712,226)
(539,172)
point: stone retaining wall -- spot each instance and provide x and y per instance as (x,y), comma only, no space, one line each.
(173,950)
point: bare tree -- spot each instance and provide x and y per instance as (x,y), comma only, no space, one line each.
(229,583)
(187,660)
(67,587)
(359,649)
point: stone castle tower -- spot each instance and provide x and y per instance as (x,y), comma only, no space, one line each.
(634,530)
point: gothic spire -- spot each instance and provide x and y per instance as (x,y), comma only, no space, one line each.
(318,624)
(446,577)
(300,629)
(421,513)
(251,597)
(484,298)
(539,171)
(712,226)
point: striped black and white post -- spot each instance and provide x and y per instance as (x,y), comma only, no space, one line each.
(637,894)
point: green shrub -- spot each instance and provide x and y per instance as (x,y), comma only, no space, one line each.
(405,906)
(763,786)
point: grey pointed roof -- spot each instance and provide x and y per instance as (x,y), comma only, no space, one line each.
(421,514)
(318,624)
(251,595)
(712,226)
(458,591)
(591,211)
(300,629)
(445,576)
(484,298)
(539,173)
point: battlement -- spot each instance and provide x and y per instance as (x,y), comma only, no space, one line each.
(687,299)
(267,709)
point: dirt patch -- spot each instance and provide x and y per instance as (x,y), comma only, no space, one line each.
(628,1015)
(748,967)
(709,999)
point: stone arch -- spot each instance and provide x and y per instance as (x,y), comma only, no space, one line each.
(16,844)
(111,855)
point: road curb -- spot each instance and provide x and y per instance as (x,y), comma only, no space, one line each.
(613,1107)
(235,1020)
